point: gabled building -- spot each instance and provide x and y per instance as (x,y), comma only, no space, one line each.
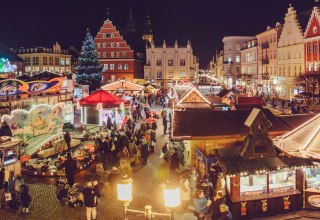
(311,43)
(291,50)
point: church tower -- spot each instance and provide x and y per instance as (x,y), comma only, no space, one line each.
(147,34)
(131,24)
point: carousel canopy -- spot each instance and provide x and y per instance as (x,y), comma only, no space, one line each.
(122,85)
(105,98)
(303,141)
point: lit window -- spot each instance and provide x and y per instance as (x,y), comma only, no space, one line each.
(159,62)
(112,44)
(315,48)
(111,36)
(118,54)
(124,54)
(309,67)
(183,62)
(229,60)
(62,61)
(182,74)
(111,66)
(126,67)
(98,45)
(104,54)
(309,48)
(170,62)
(118,44)
(105,67)
(104,36)
(104,45)
(68,61)
(315,66)
(170,74)
(159,74)
(238,58)
(119,66)
(35,61)
(254,185)
(280,180)
(112,54)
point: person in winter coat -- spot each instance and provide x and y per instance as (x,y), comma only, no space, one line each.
(25,198)
(11,182)
(70,166)
(218,200)
(90,201)
(221,184)
(144,151)
(193,180)
(185,192)
(206,186)
(225,213)
(166,152)
(67,139)
(201,205)
(174,162)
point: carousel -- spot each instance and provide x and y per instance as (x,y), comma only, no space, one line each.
(102,108)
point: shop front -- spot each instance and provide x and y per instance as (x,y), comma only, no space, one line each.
(312,188)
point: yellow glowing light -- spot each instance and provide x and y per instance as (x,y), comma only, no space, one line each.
(171,197)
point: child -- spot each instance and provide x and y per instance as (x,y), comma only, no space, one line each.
(25,198)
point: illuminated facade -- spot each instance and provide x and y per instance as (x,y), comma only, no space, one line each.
(249,64)
(40,59)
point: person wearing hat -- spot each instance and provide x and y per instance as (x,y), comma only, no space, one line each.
(70,166)
(90,201)
(218,200)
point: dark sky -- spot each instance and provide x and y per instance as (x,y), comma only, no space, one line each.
(204,22)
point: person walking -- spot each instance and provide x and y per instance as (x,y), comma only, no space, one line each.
(144,150)
(201,205)
(165,124)
(2,189)
(67,139)
(90,201)
(70,166)
(25,198)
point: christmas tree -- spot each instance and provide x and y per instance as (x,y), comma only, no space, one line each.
(88,70)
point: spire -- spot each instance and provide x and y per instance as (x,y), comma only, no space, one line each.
(131,24)
(147,33)
(108,14)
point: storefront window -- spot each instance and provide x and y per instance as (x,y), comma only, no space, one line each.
(253,185)
(313,178)
(282,181)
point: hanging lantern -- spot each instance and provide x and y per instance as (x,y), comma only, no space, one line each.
(99,107)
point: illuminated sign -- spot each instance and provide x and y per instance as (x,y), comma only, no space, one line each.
(6,67)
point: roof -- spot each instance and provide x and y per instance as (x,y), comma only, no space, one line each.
(184,101)
(225,91)
(303,141)
(125,86)
(251,101)
(233,164)
(295,120)
(105,98)
(207,122)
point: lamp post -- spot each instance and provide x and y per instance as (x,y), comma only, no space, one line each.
(171,195)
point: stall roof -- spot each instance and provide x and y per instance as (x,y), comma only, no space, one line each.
(207,122)
(105,98)
(125,86)
(303,141)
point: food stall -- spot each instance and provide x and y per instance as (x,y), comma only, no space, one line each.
(259,180)
(10,155)
(303,142)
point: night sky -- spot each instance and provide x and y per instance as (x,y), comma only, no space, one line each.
(203,22)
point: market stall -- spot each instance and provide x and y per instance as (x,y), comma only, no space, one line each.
(102,108)
(259,180)
(303,142)
(123,87)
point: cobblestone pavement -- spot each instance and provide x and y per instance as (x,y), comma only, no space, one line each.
(146,191)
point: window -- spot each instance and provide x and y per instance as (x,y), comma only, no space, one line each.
(98,45)
(118,44)
(62,61)
(112,44)
(126,67)
(170,74)
(50,60)
(45,60)
(104,54)
(111,36)
(309,67)
(56,61)
(315,67)
(237,70)
(35,61)
(159,63)
(104,45)
(111,66)
(253,185)
(237,58)
(315,48)
(313,178)
(99,54)
(159,74)
(183,62)
(182,74)
(112,54)
(119,66)
(105,67)
(282,181)
(229,60)
(67,61)
(104,36)
(118,54)
(170,62)
(27,59)
(309,48)
(123,54)
(107,35)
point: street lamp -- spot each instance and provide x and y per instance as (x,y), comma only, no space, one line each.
(171,195)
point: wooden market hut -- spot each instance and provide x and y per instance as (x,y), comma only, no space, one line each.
(259,180)
(123,86)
